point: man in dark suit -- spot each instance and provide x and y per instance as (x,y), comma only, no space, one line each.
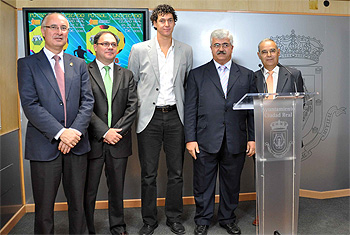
(114,112)
(283,79)
(56,97)
(215,135)
(161,66)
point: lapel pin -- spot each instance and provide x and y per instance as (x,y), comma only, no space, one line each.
(71,64)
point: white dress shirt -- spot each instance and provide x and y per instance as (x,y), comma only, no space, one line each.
(50,55)
(228,65)
(103,71)
(166,76)
(274,76)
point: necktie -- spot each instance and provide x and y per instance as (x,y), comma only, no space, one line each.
(269,82)
(60,81)
(108,85)
(223,78)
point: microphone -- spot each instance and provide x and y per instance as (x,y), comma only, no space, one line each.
(292,76)
(264,82)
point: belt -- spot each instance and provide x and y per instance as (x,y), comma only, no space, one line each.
(166,108)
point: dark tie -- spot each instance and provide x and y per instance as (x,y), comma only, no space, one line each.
(60,81)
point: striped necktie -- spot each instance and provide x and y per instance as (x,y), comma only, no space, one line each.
(223,73)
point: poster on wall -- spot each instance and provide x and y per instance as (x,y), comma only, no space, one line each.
(130,25)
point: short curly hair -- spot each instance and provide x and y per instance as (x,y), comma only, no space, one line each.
(162,10)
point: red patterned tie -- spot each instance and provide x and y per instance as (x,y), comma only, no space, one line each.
(60,81)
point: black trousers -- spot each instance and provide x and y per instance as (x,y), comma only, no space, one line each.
(46,178)
(165,129)
(115,169)
(204,181)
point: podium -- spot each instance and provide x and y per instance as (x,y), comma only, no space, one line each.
(278,139)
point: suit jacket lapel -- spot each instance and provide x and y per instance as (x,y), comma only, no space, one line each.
(116,80)
(68,73)
(177,58)
(260,82)
(152,53)
(234,75)
(96,75)
(214,76)
(283,77)
(45,66)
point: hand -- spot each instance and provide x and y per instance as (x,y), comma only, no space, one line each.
(192,148)
(250,148)
(113,136)
(63,148)
(70,137)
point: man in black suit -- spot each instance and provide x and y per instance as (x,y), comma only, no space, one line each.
(284,79)
(215,135)
(110,130)
(56,97)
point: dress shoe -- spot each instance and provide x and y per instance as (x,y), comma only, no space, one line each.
(256,221)
(176,227)
(231,228)
(118,230)
(201,230)
(147,229)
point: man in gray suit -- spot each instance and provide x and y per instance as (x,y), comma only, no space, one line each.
(160,68)
(110,130)
(283,79)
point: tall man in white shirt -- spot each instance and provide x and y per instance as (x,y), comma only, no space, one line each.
(160,68)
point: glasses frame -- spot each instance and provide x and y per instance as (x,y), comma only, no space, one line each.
(223,45)
(108,44)
(54,27)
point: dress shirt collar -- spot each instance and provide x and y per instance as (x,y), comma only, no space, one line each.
(275,71)
(49,54)
(103,71)
(171,47)
(228,64)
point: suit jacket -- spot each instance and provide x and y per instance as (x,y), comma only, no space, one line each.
(42,104)
(286,82)
(143,62)
(209,116)
(124,107)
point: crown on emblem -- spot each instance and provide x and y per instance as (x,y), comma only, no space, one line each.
(299,46)
(279,125)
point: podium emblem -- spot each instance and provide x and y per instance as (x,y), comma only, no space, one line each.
(279,144)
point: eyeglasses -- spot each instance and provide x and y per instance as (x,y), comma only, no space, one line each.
(107,44)
(56,28)
(265,52)
(224,45)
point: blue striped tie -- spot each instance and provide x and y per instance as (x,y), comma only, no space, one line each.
(223,78)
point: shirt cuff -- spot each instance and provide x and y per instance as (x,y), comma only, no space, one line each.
(57,136)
